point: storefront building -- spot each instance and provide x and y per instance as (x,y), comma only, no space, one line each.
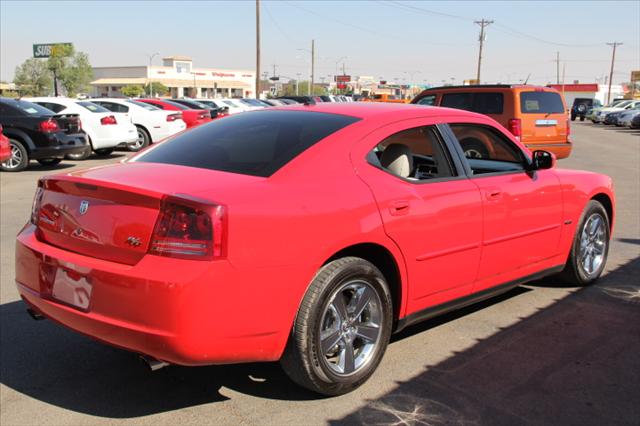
(178,74)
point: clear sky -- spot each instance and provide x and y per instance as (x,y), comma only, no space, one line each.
(416,41)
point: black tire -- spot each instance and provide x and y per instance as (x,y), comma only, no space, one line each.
(79,156)
(19,157)
(574,272)
(304,361)
(473,148)
(582,118)
(49,161)
(573,117)
(104,152)
(143,140)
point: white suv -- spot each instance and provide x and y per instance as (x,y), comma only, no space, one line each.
(105,129)
(152,123)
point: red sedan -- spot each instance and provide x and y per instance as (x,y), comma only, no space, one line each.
(192,117)
(5,147)
(305,234)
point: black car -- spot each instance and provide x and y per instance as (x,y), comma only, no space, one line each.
(635,122)
(581,106)
(36,133)
(300,99)
(191,104)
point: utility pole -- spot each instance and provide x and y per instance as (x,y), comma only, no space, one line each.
(613,59)
(298,81)
(557,67)
(313,63)
(483,23)
(257,49)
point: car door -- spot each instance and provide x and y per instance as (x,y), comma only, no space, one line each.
(522,209)
(429,209)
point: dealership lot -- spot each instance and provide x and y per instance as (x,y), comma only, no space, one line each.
(543,354)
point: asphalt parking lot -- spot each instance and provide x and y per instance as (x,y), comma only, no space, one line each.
(541,354)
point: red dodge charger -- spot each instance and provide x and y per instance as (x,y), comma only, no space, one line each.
(306,234)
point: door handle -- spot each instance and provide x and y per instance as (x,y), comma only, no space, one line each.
(493,194)
(400,207)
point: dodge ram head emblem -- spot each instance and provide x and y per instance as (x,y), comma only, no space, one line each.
(84,206)
(134,241)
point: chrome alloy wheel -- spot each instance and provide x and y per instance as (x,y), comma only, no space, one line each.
(139,143)
(593,244)
(350,328)
(16,157)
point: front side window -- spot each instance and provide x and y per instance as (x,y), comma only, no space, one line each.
(256,144)
(416,155)
(487,150)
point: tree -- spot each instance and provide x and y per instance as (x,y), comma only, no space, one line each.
(72,69)
(158,89)
(133,91)
(77,74)
(33,78)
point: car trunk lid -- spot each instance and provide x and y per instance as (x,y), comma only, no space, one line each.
(110,212)
(68,123)
(544,119)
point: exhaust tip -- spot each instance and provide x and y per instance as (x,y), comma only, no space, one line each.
(152,363)
(35,315)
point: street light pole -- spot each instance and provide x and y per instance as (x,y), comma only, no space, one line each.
(297,82)
(313,63)
(257,49)
(149,73)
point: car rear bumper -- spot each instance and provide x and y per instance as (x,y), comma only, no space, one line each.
(561,150)
(182,312)
(61,146)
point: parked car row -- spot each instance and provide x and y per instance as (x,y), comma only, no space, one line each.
(49,129)
(622,113)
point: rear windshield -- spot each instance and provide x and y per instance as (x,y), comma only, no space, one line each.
(30,108)
(148,107)
(256,143)
(541,103)
(93,107)
(482,103)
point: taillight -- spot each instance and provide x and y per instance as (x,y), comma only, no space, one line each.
(174,117)
(49,126)
(204,115)
(79,124)
(188,228)
(568,129)
(515,127)
(110,119)
(35,206)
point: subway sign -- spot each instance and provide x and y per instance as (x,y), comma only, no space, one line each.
(45,50)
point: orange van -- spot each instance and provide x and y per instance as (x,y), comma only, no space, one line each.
(383,97)
(535,115)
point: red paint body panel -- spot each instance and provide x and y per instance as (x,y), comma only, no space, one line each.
(5,148)
(189,116)
(280,230)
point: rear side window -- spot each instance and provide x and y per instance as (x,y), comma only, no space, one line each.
(148,107)
(427,100)
(112,106)
(257,143)
(541,103)
(482,103)
(92,107)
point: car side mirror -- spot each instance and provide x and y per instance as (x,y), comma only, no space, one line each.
(542,160)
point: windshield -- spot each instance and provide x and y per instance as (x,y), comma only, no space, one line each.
(256,144)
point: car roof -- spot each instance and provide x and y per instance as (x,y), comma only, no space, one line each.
(366,110)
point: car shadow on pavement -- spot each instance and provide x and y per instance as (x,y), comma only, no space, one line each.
(574,362)
(36,167)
